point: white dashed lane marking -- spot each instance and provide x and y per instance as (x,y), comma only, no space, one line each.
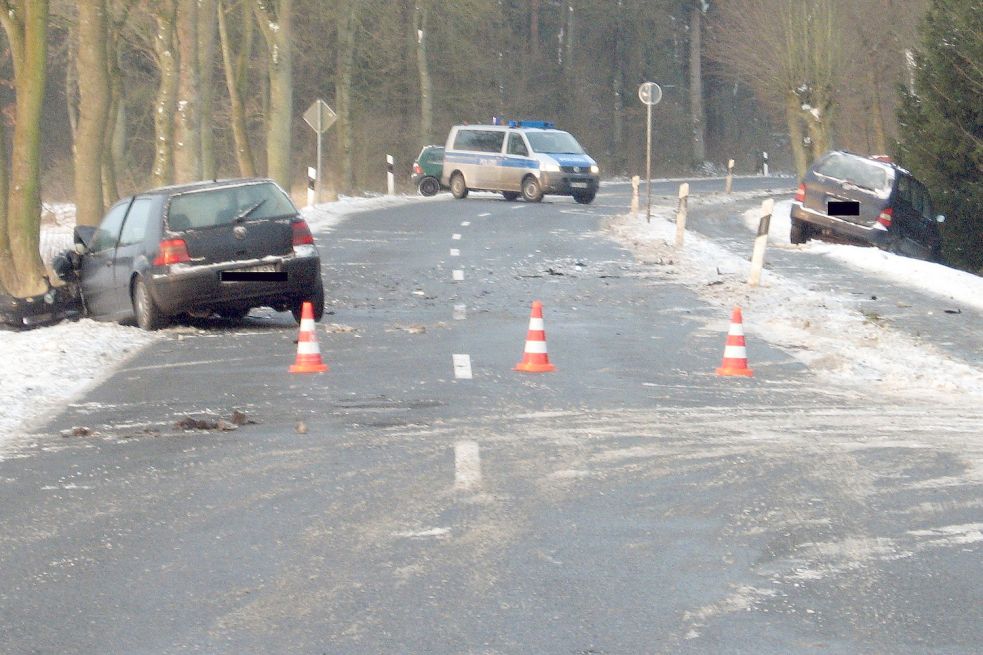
(460,312)
(455,252)
(456,237)
(457,275)
(462,366)
(467,465)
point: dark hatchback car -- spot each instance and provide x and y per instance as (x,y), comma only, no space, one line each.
(210,247)
(867,200)
(426,170)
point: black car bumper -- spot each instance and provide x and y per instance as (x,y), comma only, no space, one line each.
(201,288)
(877,236)
(57,304)
(566,184)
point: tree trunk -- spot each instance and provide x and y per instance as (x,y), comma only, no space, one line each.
(569,41)
(167,62)
(876,113)
(534,30)
(187,126)
(235,80)
(420,23)
(22,272)
(94,106)
(114,146)
(696,81)
(618,91)
(343,96)
(793,117)
(206,54)
(275,22)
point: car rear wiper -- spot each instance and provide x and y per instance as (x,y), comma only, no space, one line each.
(249,210)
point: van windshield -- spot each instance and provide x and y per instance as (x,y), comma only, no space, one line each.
(554,143)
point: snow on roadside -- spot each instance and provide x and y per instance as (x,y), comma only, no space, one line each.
(949,283)
(45,368)
(825,331)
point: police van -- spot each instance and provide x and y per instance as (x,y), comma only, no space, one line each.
(527,158)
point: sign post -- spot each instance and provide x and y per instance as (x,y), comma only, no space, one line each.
(320,117)
(649,93)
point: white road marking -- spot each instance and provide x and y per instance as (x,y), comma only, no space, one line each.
(437,533)
(457,275)
(460,312)
(455,252)
(456,237)
(462,366)
(467,465)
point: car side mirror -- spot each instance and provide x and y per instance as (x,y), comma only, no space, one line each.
(940,218)
(83,236)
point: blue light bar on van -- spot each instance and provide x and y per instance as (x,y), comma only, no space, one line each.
(543,125)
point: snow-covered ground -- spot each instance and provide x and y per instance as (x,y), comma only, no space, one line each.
(46,367)
(827,331)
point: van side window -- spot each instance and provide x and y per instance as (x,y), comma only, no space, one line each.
(137,221)
(480,140)
(517,146)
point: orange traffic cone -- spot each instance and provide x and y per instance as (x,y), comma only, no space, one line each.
(308,355)
(735,353)
(535,359)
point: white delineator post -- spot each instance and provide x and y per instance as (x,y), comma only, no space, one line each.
(730,175)
(764,164)
(761,242)
(634,195)
(390,176)
(681,214)
(311,183)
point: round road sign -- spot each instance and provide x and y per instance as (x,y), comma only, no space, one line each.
(650,93)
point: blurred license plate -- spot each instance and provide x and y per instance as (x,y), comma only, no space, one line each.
(579,185)
(260,268)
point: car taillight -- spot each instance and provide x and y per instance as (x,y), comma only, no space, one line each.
(302,233)
(417,169)
(884,218)
(172,251)
(800,195)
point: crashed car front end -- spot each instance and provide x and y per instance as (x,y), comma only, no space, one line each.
(57,303)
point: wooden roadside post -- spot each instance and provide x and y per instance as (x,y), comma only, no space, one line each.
(634,195)
(681,214)
(730,175)
(761,242)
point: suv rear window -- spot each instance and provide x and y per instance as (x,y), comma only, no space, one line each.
(856,170)
(211,207)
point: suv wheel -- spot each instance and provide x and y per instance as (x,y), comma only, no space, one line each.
(429,186)
(148,315)
(800,231)
(584,198)
(531,191)
(317,301)
(458,188)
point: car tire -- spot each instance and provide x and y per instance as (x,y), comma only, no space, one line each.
(531,190)
(429,186)
(584,198)
(458,188)
(234,314)
(316,300)
(510,195)
(148,315)
(800,232)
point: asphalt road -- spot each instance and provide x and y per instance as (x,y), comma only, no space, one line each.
(630,502)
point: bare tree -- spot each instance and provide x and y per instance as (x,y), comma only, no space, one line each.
(696,78)
(187,124)
(276,24)
(236,66)
(421,19)
(93,109)
(792,54)
(346,19)
(207,13)
(22,272)
(165,48)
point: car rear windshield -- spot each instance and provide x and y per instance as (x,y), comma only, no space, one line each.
(554,143)
(211,207)
(855,170)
